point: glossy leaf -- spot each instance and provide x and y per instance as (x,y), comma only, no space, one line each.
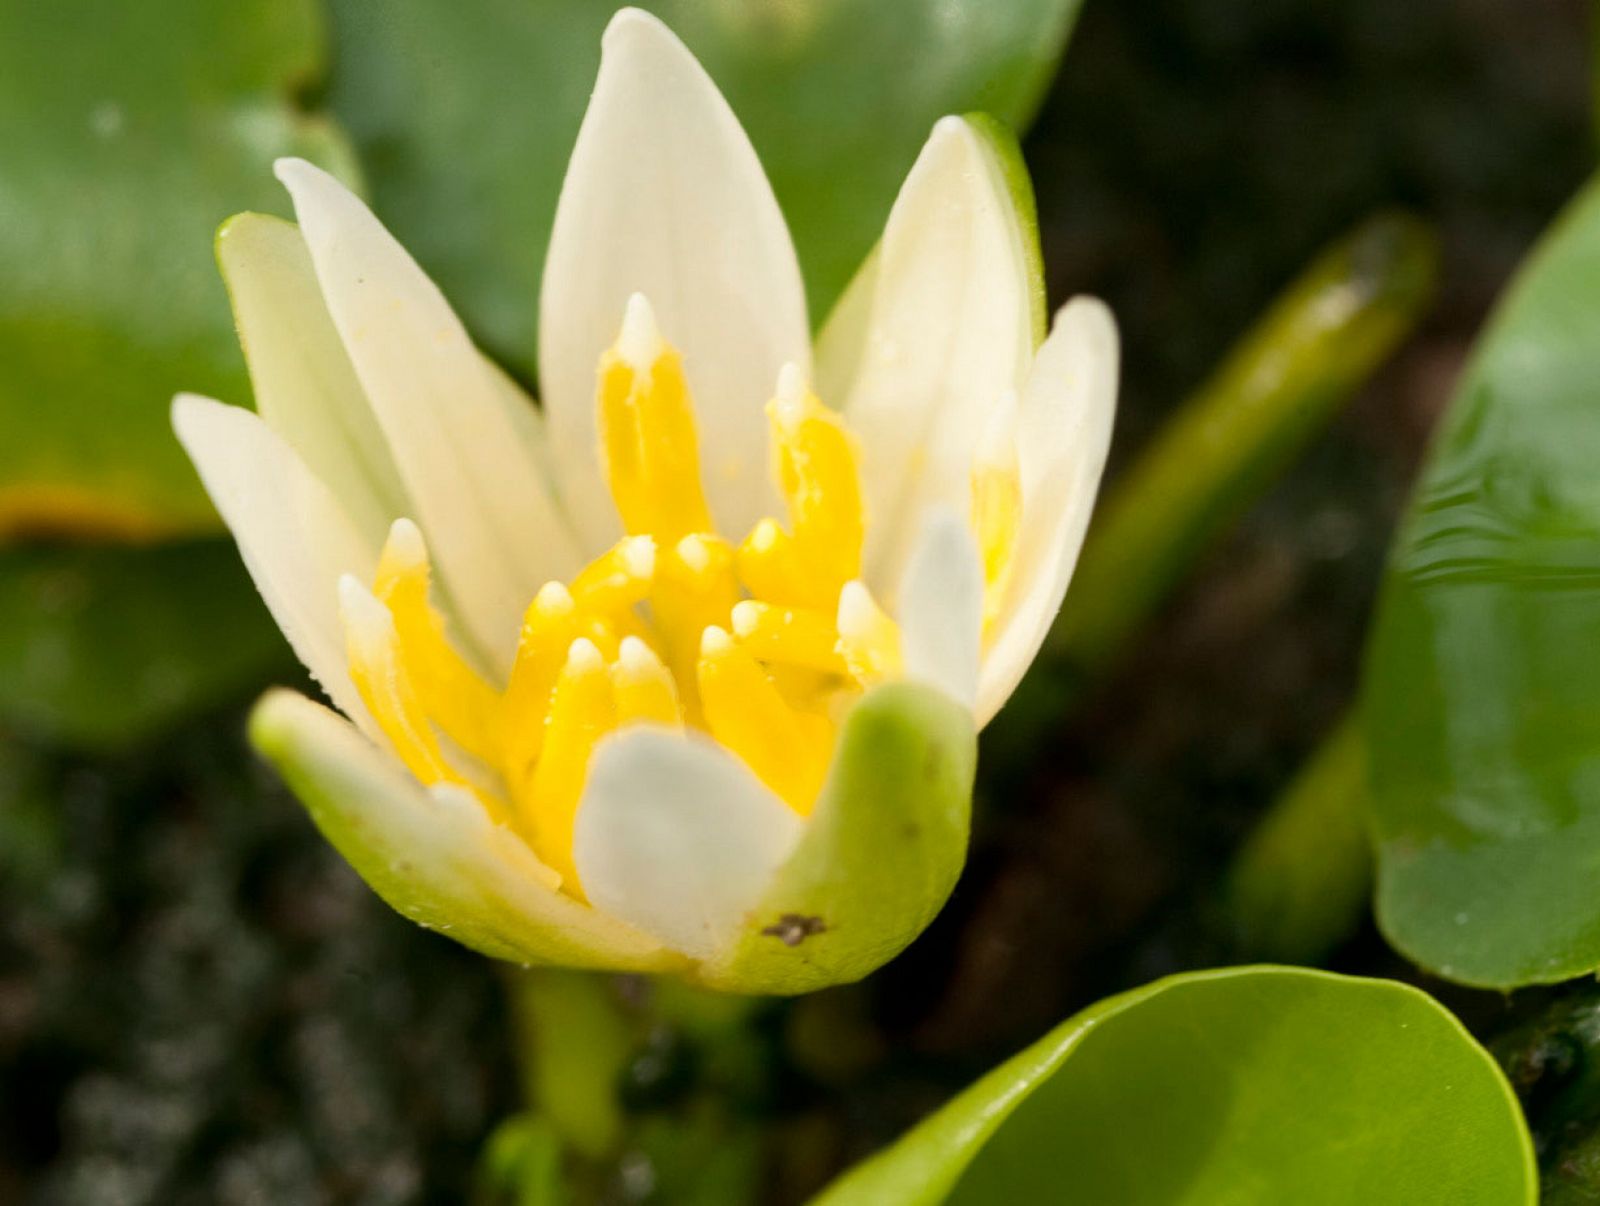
(465,115)
(1223,1088)
(1482,694)
(130,131)
(103,646)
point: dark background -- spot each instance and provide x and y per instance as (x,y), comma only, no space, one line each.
(200,1003)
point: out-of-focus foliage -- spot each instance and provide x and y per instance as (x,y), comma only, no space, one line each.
(1278,387)
(1482,698)
(104,645)
(129,132)
(1253,1084)
(464,116)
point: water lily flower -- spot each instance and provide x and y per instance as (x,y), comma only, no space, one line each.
(682,671)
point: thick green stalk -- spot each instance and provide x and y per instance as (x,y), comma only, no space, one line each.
(1321,340)
(1299,885)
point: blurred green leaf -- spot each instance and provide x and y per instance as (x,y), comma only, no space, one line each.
(1301,883)
(1220,1088)
(130,131)
(521,1165)
(1482,694)
(1322,339)
(102,646)
(465,114)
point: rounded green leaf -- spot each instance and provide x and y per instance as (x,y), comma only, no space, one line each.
(130,131)
(1227,1088)
(1482,694)
(465,115)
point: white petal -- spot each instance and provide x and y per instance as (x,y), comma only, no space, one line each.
(435,855)
(1065,433)
(677,837)
(295,538)
(938,329)
(304,384)
(461,452)
(664,196)
(941,608)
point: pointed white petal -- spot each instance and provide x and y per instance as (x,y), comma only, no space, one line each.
(664,196)
(678,838)
(941,608)
(461,452)
(304,384)
(435,855)
(1065,433)
(295,539)
(937,330)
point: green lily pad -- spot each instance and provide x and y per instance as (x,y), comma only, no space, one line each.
(102,646)
(1227,1088)
(1482,693)
(465,114)
(130,131)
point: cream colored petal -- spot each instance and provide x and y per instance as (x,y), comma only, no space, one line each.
(941,608)
(295,538)
(1064,435)
(664,196)
(678,838)
(434,855)
(305,386)
(936,331)
(460,451)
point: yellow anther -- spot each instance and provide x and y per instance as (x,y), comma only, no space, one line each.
(814,460)
(378,668)
(788,750)
(869,640)
(788,636)
(695,586)
(997,504)
(769,565)
(549,627)
(648,443)
(582,711)
(617,579)
(643,687)
(458,699)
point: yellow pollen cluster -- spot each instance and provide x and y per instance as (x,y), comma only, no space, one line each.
(761,645)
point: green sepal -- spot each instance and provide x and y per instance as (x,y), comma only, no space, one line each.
(444,864)
(879,857)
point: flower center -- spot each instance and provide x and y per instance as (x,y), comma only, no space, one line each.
(761,645)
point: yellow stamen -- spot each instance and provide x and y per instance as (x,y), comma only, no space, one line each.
(788,750)
(869,640)
(769,565)
(549,627)
(581,712)
(815,467)
(695,586)
(788,636)
(617,579)
(381,675)
(459,700)
(643,686)
(997,505)
(647,432)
